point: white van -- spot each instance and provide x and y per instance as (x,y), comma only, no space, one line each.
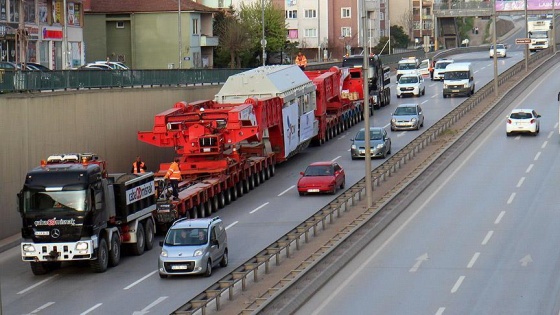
(439,68)
(407,66)
(458,79)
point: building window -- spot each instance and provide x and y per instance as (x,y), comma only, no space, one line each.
(346,32)
(291,14)
(310,32)
(120,24)
(195,26)
(310,14)
(416,25)
(293,34)
(345,13)
(382,16)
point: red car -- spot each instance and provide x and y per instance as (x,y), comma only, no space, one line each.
(321,177)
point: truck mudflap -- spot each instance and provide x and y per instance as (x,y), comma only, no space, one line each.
(166,211)
(49,252)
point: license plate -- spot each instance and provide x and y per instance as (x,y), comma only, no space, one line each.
(313,190)
(455,91)
(179,267)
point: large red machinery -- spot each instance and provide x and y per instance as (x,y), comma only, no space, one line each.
(229,145)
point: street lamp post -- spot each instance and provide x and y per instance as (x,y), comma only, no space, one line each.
(365,69)
(494,16)
(179,33)
(263,40)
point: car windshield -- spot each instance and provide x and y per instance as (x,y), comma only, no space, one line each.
(319,170)
(408,80)
(373,135)
(407,66)
(456,75)
(405,110)
(35,201)
(442,65)
(186,237)
(538,34)
(498,46)
(521,115)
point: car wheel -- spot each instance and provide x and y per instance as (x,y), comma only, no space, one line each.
(208,271)
(163,276)
(398,96)
(225,259)
(444,96)
(508,134)
(424,91)
(301,193)
(343,184)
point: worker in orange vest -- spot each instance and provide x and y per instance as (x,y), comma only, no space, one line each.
(174,176)
(301,61)
(138,167)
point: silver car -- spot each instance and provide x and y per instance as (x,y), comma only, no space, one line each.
(407,117)
(193,246)
(380,143)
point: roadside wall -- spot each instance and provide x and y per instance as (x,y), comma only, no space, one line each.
(105,122)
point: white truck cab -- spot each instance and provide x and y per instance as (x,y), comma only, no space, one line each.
(458,79)
(407,66)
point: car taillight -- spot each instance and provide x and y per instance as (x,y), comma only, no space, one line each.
(532,121)
(509,121)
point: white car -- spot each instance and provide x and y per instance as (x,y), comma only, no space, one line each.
(523,121)
(439,68)
(501,51)
(411,84)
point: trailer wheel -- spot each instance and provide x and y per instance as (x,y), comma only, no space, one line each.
(115,252)
(240,188)
(39,268)
(192,213)
(246,186)
(251,180)
(138,248)
(215,204)
(233,193)
(100,264)
(257,177)
(272,170)
(209,209)
(149,234)
(200,210)
(222,199)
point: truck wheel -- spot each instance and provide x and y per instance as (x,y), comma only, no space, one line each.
(54,265)
(225,259)
(39,268)
(246,186)
(115,252)
(138,248)
(240,188)
(209,209)
(272,170)
(149,238)
(257,179)
(233,193)
(222,199)
(208,271)
(264,175)
(215,204)
(100,264)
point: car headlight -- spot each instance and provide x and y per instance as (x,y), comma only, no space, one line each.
(393,120)
(413,120)
(445,85)
(466,85)
(380,146)
(353,147)
(197,253)
(28,248)
(164,253)
(82,246)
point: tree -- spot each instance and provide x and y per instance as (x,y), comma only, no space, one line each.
(398,37)
(407,21)
(234,40)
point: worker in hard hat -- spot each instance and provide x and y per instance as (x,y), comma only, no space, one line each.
(301,61)
(138,166)
(174,176)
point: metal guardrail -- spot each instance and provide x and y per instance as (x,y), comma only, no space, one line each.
(274,253)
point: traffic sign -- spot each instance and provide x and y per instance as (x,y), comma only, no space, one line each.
(521,41)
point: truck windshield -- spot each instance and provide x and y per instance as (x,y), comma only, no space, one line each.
(456,75)
(53,201)
(538,34)
(407,66)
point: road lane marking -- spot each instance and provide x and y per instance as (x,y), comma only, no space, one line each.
(441,309)
(511,197)
(457,284)
(42,307)
(146,309)
(487,237)
(552,132)
(424,102)
(37,284)
(91,308)
(537,155)
(473,260)
(529,168)
(234,223)
(419,261)
(140,280)
(259,207)
(520,182)
(499,218)
(544,145)
(336,158)
(285,191)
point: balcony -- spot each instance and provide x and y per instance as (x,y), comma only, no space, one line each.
(209,41)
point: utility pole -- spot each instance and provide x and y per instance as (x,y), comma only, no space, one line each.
(179,32)
(21,38)
(494,16)
(65,51)
(365,69)
(263,40)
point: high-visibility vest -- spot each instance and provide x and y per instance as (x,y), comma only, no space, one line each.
(174,172)
(135,168)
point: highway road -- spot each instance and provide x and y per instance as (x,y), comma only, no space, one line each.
(253,222)
(480,240)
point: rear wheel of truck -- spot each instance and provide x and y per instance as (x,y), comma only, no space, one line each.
(149,235)
(100,264)
(139,246)
(233,193)
(215,204)
(222,199)
(39,268)
(115,252)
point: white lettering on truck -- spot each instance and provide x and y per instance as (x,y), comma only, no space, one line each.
(139,192)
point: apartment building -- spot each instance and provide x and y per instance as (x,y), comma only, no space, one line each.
(416,18)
